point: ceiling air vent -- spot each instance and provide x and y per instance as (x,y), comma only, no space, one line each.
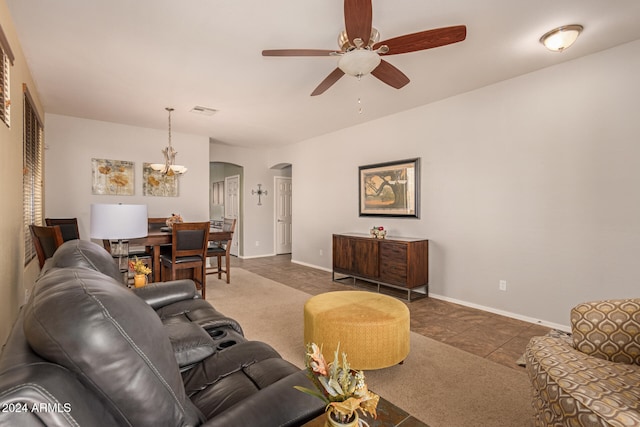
(205,111)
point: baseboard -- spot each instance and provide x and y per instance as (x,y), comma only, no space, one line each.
(565,328)
(256,256)
(527,319)
(311,265)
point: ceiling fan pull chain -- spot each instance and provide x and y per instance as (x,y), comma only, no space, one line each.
(359,99)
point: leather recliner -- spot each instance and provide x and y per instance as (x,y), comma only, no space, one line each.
(88,351)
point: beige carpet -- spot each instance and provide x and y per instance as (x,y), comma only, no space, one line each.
(438,384)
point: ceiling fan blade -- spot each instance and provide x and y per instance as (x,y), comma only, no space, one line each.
(357,20)
(424,40)
(328,82)
(298,52)
(390,75)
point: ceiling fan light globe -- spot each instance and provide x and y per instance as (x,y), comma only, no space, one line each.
(359,62)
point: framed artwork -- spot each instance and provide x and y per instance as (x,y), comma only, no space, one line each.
(390,189)
(112,177)
(156,183)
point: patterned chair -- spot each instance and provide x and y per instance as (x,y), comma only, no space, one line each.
(593,379)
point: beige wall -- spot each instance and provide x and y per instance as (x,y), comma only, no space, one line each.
(72,143)
(533,181)
(15,277)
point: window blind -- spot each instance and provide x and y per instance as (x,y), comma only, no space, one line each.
(32,173)
(6,60)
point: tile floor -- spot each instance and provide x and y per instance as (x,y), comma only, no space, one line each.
(497,338)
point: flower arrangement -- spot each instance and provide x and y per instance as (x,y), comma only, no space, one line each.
(138,267)
(378,232)
(173,219)
(341,388)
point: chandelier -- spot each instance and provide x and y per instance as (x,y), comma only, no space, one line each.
(169,167)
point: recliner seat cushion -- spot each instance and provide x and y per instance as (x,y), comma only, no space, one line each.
(234,374)
(114,343)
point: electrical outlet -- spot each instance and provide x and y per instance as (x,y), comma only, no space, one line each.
(321,252)
(503,285)
(257,242)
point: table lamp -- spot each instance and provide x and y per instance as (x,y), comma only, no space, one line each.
(119,222)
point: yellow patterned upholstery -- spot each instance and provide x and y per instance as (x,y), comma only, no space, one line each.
(372,329)
(589,380)
(609,329)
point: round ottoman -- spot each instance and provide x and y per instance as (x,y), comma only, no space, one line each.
(372,329)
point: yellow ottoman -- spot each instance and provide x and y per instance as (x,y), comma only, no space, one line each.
(372,329)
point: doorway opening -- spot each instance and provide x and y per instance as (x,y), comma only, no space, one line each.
(225,199)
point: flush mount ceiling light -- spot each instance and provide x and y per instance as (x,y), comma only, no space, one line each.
(169,167)
(561,38)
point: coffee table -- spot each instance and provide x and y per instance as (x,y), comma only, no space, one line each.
(389,415)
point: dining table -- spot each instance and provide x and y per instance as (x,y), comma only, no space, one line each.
(157,238)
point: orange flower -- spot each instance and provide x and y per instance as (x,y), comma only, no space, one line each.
(317,362)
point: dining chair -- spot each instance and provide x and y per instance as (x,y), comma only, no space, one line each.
(68,227)
(46,239)
(156,224)
(220,249)
(188,252)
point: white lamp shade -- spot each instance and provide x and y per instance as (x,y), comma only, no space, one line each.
(116,222)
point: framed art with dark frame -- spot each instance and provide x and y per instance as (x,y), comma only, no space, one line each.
(390,189)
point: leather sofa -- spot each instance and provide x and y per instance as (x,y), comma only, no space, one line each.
(593,377)
(87,351)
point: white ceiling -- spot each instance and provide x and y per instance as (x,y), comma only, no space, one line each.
(124,61)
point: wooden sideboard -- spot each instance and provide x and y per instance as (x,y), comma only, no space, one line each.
(397,262)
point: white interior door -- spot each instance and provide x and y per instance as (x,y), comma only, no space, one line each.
(283,215)
(232,207)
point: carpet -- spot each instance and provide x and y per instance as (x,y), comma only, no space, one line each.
(438,384)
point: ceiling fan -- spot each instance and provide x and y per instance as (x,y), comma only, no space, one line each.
(360,49)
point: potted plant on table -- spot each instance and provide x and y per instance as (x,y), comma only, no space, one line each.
(340,387)
(174,218)
(140,271)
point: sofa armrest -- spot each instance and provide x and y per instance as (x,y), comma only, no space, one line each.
(278,404)
(160,294)
(608,329)
(569,386)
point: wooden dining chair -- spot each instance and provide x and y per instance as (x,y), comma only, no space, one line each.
(68,227)
(188,252)
(46,239)
(220,249)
